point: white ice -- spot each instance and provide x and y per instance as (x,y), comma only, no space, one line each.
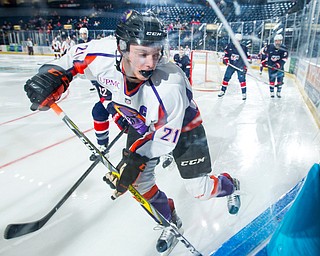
(268,144)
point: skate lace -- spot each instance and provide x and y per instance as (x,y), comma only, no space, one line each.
(232,199)
(166,233)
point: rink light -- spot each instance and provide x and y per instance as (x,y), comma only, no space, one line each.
(204,223)
(216,226)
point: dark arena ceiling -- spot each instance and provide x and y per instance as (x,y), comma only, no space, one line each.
(233,10)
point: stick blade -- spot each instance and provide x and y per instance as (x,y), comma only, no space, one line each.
(16,230)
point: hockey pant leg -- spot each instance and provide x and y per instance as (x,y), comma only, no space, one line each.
(192,157)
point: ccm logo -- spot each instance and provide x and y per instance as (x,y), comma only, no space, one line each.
(153,33)
(193,162)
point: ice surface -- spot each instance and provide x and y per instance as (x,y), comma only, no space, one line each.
(268,144)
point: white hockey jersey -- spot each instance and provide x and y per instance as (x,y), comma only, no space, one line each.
(159,108)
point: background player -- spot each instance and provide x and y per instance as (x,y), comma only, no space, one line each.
(235,63)
(84,36)
(56,47)
(277,55)
(263,58)
(182,60)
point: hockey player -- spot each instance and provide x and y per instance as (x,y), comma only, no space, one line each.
(66,45)
(277,55)
(234,63)
(100,116)
(84,36)
(183,61)
(56,47)
(263,57)
(155,97)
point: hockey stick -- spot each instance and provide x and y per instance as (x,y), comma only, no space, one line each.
(16,230)
(241,70)
(277,69)
(153,212)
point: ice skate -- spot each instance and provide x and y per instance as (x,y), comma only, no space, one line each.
(234,199)
(167,241)
(221,94)
(244,96)
(103,150)
(278,94)
(272,94)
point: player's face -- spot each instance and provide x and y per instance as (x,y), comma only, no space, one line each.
(84,36)
(142,58)
(277,43)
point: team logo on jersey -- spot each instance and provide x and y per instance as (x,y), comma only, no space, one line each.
(234,57)
(275,57)
(127,101)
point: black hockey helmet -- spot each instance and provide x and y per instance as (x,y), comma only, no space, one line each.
(139,29)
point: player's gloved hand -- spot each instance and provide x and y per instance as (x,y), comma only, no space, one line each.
(225,61)
(276,66)
(47,86)
(264,63)
(119,120)
(129,169)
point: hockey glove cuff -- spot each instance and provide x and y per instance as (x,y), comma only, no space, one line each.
(264,63)
(47,86)
(226,61)
(276,66)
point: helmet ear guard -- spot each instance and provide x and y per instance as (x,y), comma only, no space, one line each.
(123,46)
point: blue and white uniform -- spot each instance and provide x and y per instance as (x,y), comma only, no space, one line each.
(235,63)
(276,58)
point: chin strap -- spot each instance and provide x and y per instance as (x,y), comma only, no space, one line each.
(118,61)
